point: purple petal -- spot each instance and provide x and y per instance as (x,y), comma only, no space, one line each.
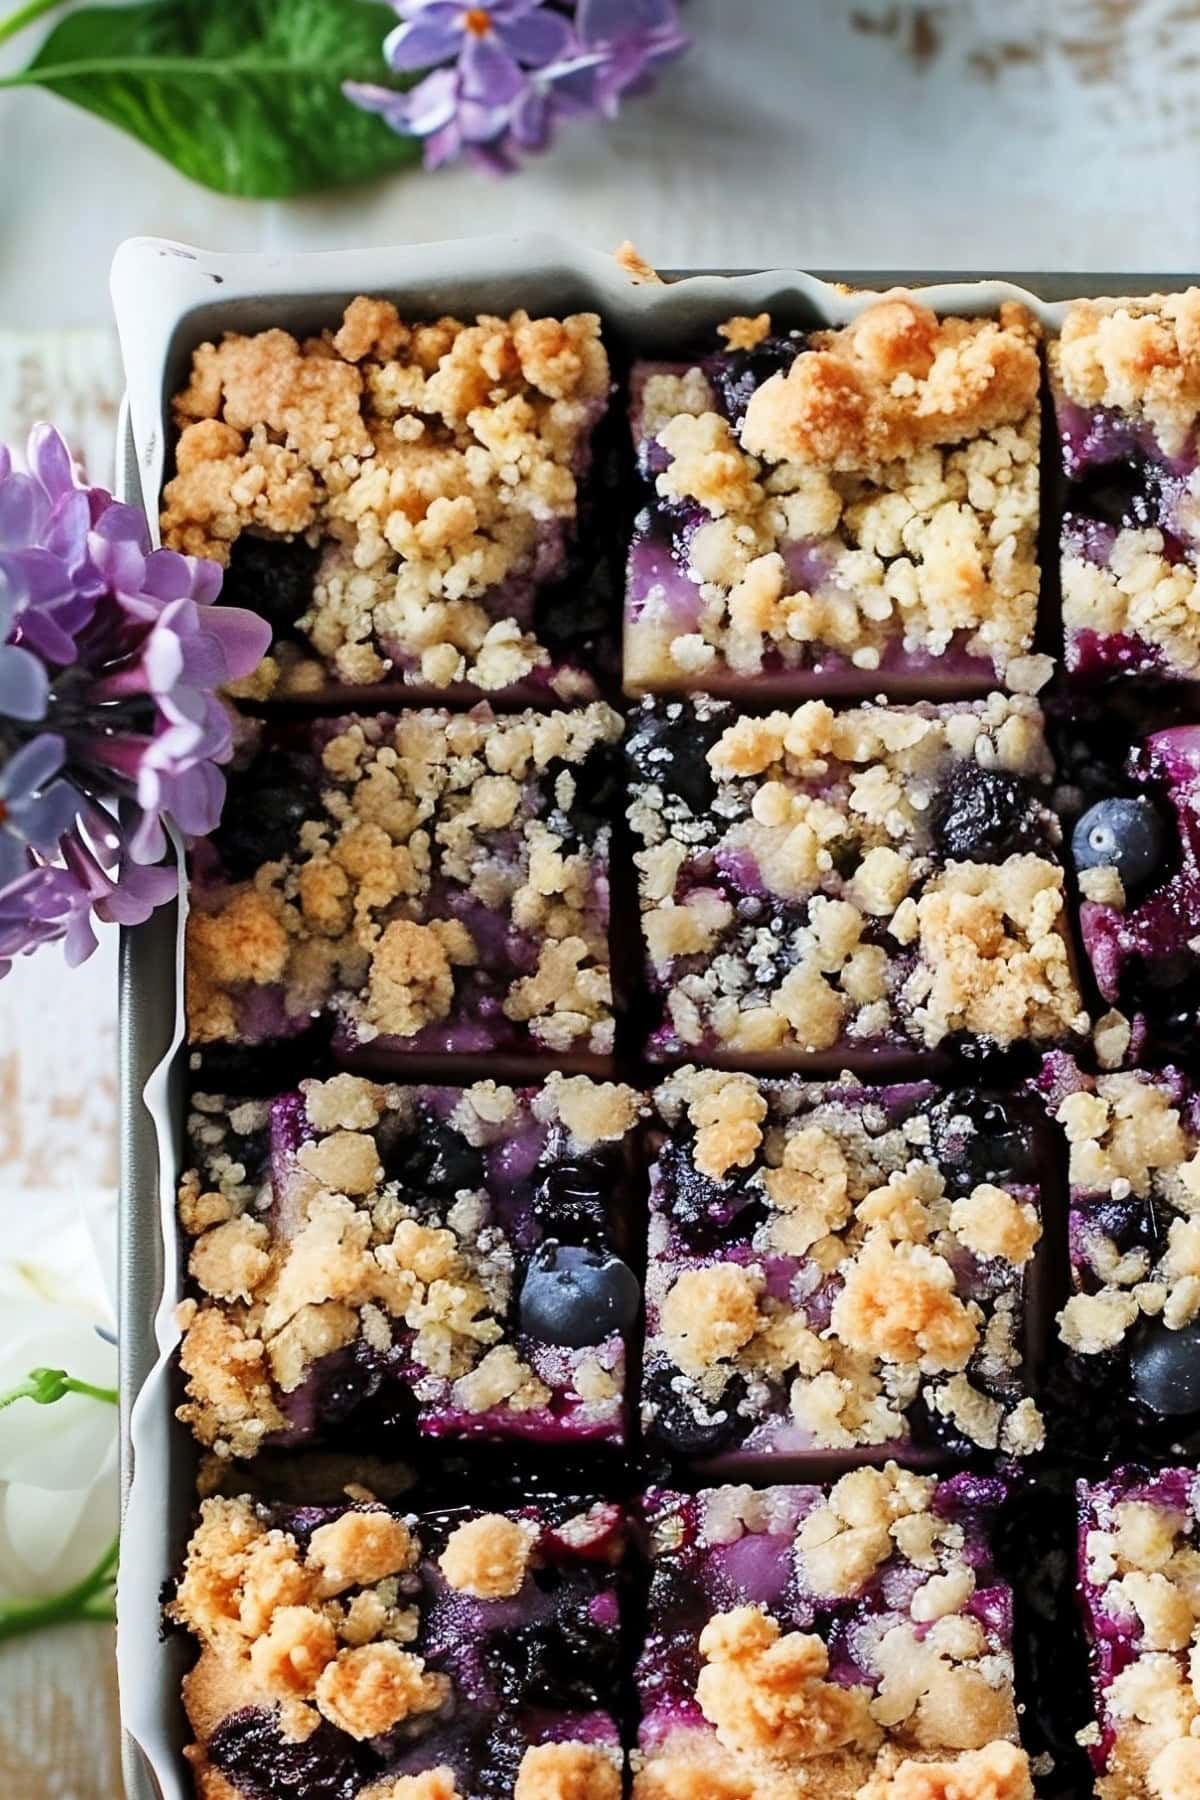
(611,21)
(50,460)
(24,684)
(434,36)
(42,820)
(24,511)
(531,120)
(537,38)
(489,74)
(5,462)
(243,636)
(30,767)
(14,858)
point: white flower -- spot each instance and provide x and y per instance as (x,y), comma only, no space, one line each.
(58,1463)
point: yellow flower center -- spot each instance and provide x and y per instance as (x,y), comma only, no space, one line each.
(478,21)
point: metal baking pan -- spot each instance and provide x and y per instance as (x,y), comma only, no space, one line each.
(168,299)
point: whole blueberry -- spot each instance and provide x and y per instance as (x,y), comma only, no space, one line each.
(575,1296)
(984,815)
(1122,834)
(740,373)
(675,1425)
(249,1751)
(1165,1369)
(433,1161)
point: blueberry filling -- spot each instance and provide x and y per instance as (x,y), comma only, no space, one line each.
(433,1162)
(702,1208)
(595,790)
(738,374)
(670,748)
(274,577)
(572,1199)
(976,1140)
(676,1425)
(984,815)
(575,1296)
(247,1748)
(265,807)
(1165,1368)
(1120,833)
(570,1665)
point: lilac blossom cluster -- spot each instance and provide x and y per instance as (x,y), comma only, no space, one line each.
(111,655)
(503,77)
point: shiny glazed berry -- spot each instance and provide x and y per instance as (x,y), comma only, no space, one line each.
(1121,834)
(983,815)
(1165,1369)
(575,1296)
(248,1750)
(572,1199)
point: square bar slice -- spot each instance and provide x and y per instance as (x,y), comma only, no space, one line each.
(409,504)
(435,883)
(839,512)
(849,889)
(441,1261)
(1130,1327)
(1139,1552)
(356,1653)
(836,1273)
(1126,381)
(1137,849)
(827,1641)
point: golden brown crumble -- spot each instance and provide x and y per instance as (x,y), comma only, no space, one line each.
(899,1303)
(709,1314)
(744,333)
(627,256)
(488,1557)
(999,1771)
(403,800)
(1139,356)
(894,381)
(1127,1137)
(431,458)
(359,1548)
(569,1771)
(765,1692)
(1139,591)
(868,1514)
(432,1784)
(367,1691)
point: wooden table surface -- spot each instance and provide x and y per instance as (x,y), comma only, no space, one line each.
(985,133)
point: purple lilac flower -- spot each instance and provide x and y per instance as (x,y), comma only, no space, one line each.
(504,76)
(116,652)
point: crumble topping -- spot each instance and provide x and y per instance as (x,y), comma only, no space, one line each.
(407,808)
(895,381)
(1140,591)
(852,922)
(438,462)
(569,1771)
(1139,356)
(1129,1141)
(1141,1555)
(267,1620)
(488,1557)
(920,520)
(896,1288)
(764,1691)
(999,1771)
(868,1515)
(432,1784)
(743,333)
(627,256)
(366,1256)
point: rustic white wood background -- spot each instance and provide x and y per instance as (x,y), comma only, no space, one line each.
(984,133)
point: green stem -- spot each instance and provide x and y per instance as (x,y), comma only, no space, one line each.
(25,15)
(45,1386)
(89,1599)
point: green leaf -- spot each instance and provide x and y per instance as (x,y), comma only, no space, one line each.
(242,95)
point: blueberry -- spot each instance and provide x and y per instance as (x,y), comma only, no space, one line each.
(575,1296)
(433,1161)
(976,1140)
(265,807)
(669,747)
(704,1209)
(740,372)
(1165,1369)
(273,577)
(248,1750)
(572,1199)
(568,1664)
(983,815)
(1122,834)
(676,1426)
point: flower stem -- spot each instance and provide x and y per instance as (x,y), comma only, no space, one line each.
(25,15)
(45,1386)
(89,1599)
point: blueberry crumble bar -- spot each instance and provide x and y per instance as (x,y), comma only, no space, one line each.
(1137,850)
(836,887)
(366,1262)
(827,512)
(435,882)
(838,1272)
(1126,381)
(1131,1325)
(846,1644)
(1139,1567)
(401,499)
(354,1653)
